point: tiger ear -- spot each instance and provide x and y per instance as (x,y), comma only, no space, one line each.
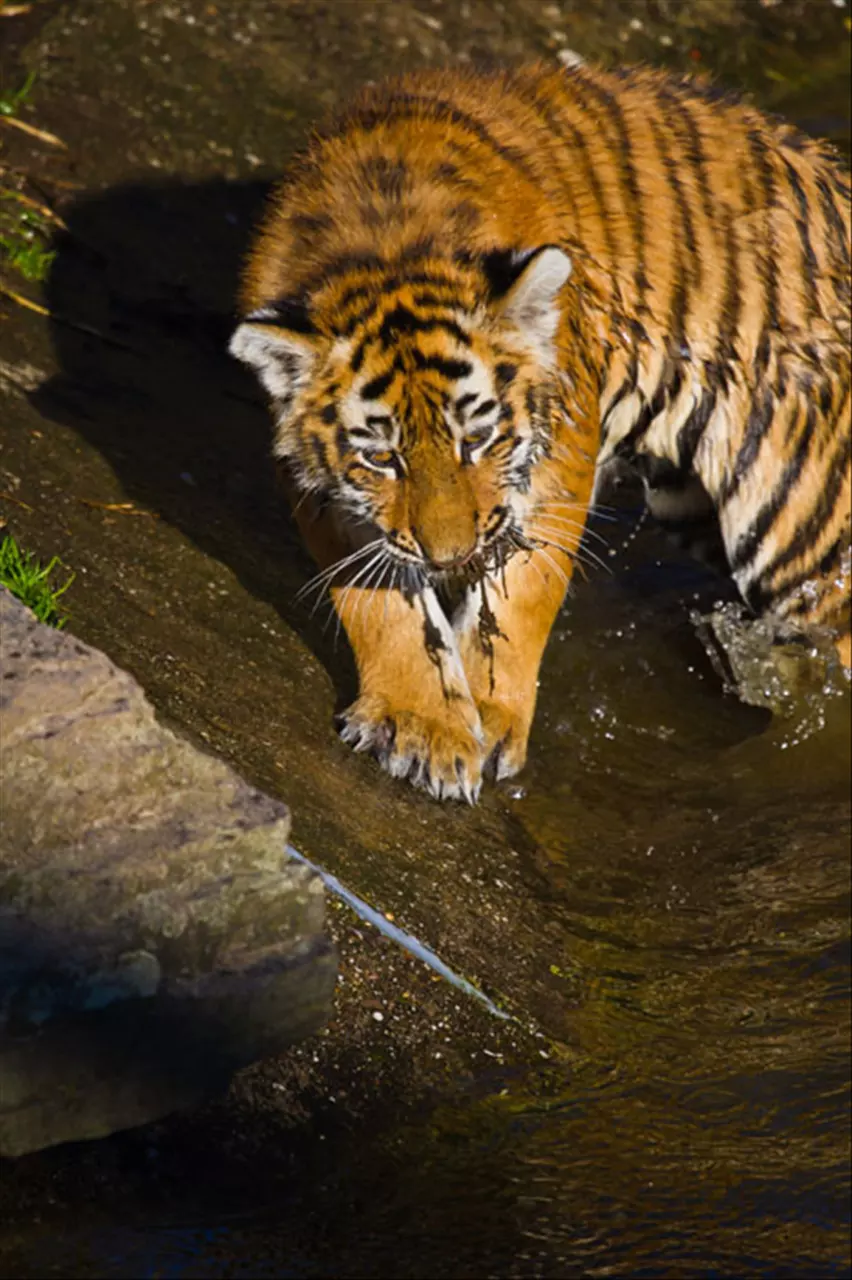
(525,289)
(280,343)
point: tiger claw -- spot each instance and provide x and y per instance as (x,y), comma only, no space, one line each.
(438,756)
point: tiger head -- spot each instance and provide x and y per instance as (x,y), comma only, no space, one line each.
(421,400)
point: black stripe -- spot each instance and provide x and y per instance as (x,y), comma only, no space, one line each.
(368,289)
(766,252)
(836,234)
(342,265)
(427,299)
(505,372)
(387,177)
(463,401)
(807,536)
(485,407)
(528,93)
(402,320)
(763,409)
(810,267)
(650,410)
(423,108)
(762,593)
(678,307)
(726,350)
(377,386)
(628,386)
(288,313)
(374,294)
(672,96)
(690,434)
(310,224)
(749,544)
(622,155)
(673,177)
(448,368)
(571,137)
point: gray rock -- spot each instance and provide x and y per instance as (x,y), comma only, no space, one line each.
(154,935)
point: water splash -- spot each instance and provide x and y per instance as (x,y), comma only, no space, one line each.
(795,680)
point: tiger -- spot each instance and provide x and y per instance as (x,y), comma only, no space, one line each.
(472,296)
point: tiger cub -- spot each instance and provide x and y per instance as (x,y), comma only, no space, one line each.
(474,293)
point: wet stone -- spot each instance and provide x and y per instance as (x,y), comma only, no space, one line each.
(154,935)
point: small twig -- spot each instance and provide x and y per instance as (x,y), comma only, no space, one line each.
(7,497)
(24,302)
(123,508)
(41,134)
(43,209)
(79,325)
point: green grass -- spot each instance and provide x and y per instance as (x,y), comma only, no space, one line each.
(24,233)
(24,236)
(29,580)
(12,99)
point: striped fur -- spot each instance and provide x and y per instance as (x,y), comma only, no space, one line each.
(472,288)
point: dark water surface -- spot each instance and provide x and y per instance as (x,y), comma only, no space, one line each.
(662,899)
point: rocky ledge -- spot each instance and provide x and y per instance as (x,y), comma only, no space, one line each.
(154,936)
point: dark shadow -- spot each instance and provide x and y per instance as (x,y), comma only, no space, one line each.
(142,295)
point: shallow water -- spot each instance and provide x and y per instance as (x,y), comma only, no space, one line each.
(661,900)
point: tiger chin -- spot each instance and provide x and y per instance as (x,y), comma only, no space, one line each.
(472,295)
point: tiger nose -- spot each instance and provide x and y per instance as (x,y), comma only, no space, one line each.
(455,562)
(443,551)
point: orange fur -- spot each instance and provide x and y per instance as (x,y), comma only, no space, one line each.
(474,290)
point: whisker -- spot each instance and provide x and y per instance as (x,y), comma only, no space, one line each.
(306,493)
(571,524)
(378,558)
(581,555)
(325,575)
(369,585)
(558,570)
(596,512)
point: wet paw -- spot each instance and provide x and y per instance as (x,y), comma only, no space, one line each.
(506,737)
(438,752)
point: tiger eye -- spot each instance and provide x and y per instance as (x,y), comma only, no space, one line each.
(380,457)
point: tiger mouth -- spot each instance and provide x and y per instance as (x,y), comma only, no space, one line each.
(484,561)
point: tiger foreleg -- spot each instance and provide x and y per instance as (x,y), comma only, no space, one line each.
(502,629)
(414,711)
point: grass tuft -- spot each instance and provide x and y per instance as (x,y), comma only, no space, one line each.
(24,233)
(23,238)
(29,580)
(12,99)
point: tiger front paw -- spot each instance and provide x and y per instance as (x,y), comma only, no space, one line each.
(506,732)
(439,750)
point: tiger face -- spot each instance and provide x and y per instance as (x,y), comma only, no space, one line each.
(422,414)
